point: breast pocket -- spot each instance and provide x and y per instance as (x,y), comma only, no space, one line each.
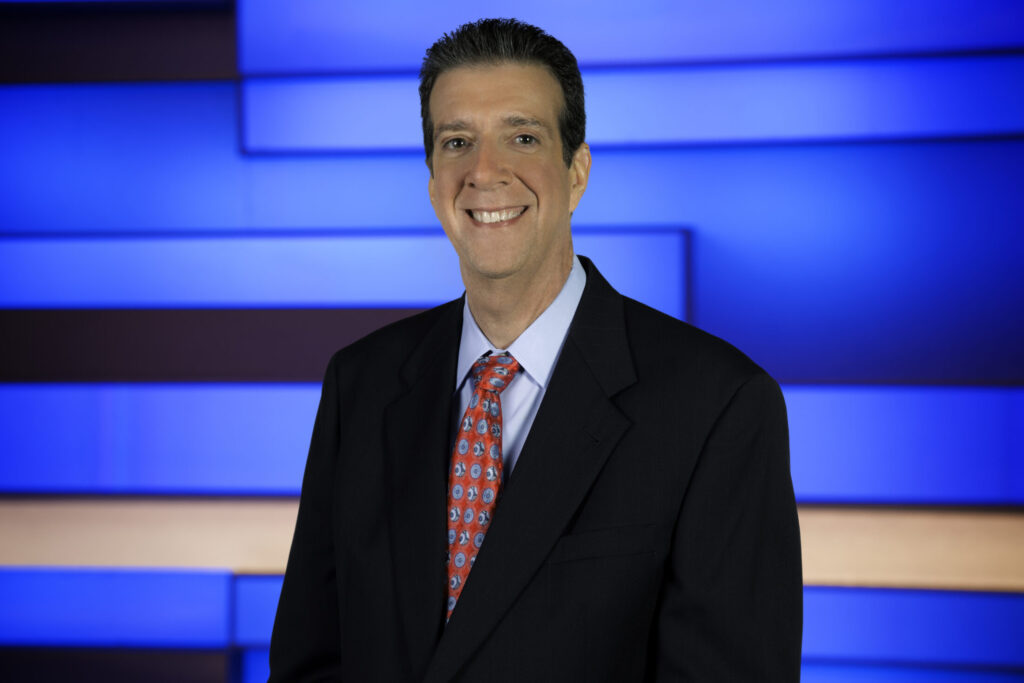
(634,539)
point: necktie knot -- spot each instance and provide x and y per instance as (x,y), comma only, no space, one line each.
(494,372)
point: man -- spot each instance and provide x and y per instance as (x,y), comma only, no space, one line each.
(544,480)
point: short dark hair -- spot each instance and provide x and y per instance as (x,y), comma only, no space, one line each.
(498,41)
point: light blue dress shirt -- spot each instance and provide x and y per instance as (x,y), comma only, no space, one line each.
(537,350)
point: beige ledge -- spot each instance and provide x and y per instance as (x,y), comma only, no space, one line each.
(862,546)
(917,548)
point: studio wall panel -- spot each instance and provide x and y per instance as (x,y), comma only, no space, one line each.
(323,36)
(156,439)
(244,535)
(920,627)
(868,264)
(180,345)
(900,445)
(139,608)
(132,40)
(401,269)
(255,604)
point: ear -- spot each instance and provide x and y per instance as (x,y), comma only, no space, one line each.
(579,173)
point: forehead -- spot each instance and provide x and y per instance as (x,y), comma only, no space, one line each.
(474,93)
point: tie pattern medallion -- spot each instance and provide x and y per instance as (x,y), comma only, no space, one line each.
(475,476)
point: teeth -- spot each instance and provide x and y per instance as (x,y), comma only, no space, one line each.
(497,216)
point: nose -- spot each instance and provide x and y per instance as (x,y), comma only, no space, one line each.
(489,168)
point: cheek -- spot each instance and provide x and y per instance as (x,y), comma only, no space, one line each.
(443,190)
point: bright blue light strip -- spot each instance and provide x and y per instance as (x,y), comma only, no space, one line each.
(913,626)
(907,98)
(907,444)
(849,444)
(255,605)
(338,114)
(114,608)
(818,101)
(155,439)
(395,269)
(325,35)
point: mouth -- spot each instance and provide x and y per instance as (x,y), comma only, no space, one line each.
(489,217)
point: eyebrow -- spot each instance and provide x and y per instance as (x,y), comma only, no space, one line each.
(512,120)
(515,121)
(456,125)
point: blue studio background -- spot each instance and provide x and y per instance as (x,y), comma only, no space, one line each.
(836,188)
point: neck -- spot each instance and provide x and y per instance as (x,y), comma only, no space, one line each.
(504,308)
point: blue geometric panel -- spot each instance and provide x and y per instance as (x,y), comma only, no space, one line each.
(255,605)
(913,626)
(392,269)
(872,99)
(831,264)
(130,156)
(155,439)
(317,114)
(319,36)
(114,608)
(907,444)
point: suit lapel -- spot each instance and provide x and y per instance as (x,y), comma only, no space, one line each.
(575,430)
(417,428)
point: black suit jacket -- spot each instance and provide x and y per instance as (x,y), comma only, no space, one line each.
(648,531)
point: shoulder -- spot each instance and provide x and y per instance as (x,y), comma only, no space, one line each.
(694,362)
(668,356)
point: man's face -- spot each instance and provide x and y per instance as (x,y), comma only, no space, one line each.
(499,184)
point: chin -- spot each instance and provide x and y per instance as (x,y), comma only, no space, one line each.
(493,269)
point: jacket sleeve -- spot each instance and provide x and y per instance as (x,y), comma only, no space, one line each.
(305,641)
(732,602)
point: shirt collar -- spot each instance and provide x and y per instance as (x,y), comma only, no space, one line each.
(537,348)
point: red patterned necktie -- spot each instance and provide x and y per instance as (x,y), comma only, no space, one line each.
(474,480)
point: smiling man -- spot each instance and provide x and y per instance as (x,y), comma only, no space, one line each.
(542,480)
(502,191)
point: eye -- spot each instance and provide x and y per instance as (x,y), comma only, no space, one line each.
(526,139)
(454,143)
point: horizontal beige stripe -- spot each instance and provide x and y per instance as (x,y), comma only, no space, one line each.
(949,549)
(250,536)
